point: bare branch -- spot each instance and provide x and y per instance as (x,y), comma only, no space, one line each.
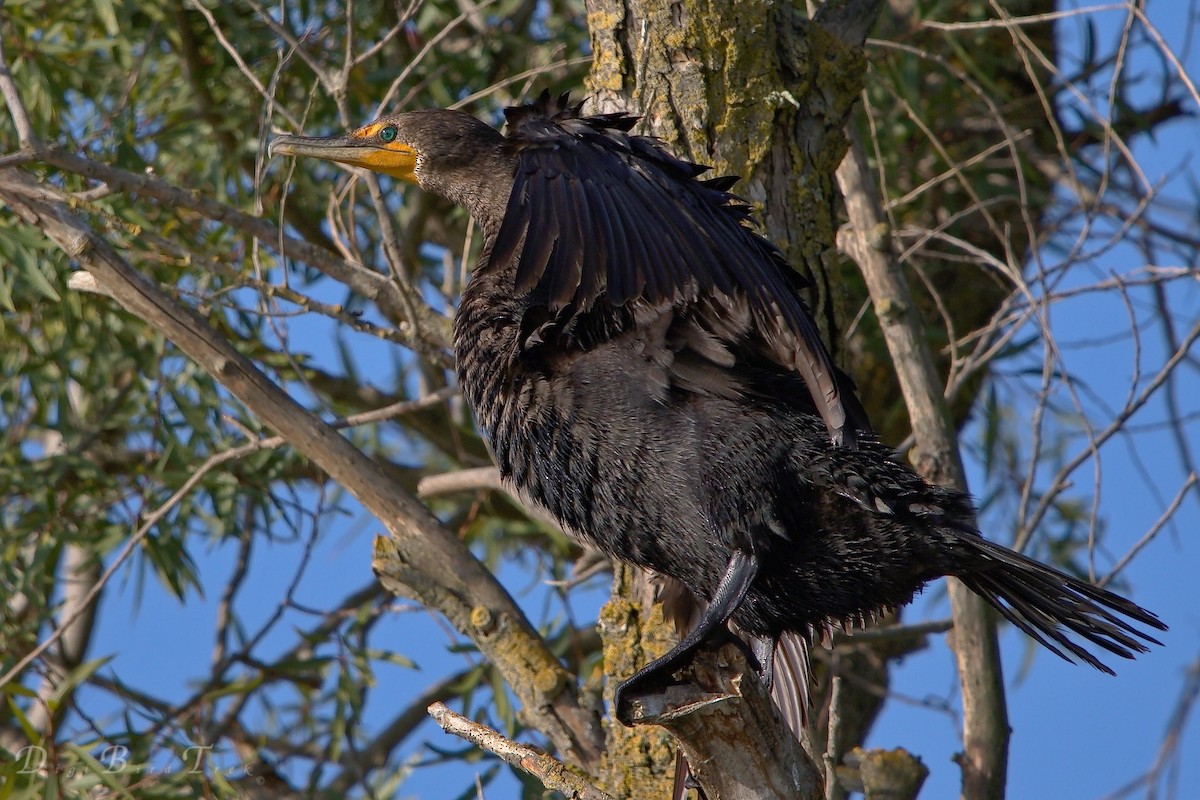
(452,580)
(985,717)
(553,774)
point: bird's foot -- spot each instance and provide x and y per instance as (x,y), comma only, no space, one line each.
(710,630)
(659,674)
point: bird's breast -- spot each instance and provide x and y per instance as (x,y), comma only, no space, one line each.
(584,435)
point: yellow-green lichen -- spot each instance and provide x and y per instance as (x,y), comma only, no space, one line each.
(482,619)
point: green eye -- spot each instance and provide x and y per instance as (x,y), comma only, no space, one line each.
(388,134)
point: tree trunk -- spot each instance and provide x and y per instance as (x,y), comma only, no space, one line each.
(757,90)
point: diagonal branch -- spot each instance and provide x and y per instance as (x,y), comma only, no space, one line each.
(553,774)
(421,554)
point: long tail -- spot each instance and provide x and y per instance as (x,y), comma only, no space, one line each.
(1048,604)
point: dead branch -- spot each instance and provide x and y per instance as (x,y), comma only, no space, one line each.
(985,716)
(553,774)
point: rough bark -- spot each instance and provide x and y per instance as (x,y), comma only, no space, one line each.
(725,723)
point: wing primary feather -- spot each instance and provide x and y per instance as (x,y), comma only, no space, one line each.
(595,233)
(708,262)
(651,266)
(540,239)
(516,222)
(660,242)
(668,240)
(624,278)
(563,273)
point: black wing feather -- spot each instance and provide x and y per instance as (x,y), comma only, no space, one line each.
(565,273)
(516,221)
(595,256)
(540,241)
(614,218)
(624,284)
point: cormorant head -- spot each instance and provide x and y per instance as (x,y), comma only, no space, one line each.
(446,152)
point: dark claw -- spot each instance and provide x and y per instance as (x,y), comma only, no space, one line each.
(659,674)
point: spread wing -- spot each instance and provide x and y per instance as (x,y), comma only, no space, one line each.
(599,216)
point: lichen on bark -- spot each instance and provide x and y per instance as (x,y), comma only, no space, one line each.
(638,761)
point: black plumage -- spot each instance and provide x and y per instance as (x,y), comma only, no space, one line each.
(644,369)
(619,221)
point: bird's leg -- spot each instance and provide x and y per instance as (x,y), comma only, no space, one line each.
(685,780)
(731,590)
(763,648)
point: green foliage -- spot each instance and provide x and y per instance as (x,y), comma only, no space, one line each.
(103,422)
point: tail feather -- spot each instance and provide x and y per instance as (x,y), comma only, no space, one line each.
(683,777)
(791,679)
(1032,622)
(1047,604)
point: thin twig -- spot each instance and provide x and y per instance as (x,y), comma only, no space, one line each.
(532,72)
(16,107)
(1024,19)
(242,66)
(552,773)
(434,41)
(1149,535)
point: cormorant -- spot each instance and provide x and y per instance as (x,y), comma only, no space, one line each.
(642,364)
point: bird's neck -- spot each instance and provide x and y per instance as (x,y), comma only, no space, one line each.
(482,187)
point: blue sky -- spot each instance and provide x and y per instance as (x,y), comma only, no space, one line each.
(1076,732)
